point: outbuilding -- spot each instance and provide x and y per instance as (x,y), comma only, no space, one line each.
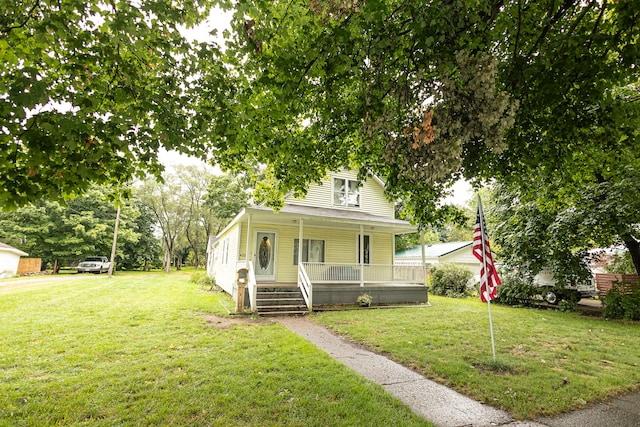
(9,260)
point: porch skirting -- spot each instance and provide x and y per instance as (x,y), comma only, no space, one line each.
(381,293)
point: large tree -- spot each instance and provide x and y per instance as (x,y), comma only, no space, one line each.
(551,216)
(420,92)
(424,92)
(194,183)
(89,91)
(164,201)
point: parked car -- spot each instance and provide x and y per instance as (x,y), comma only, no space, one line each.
(552,293)
(94,264)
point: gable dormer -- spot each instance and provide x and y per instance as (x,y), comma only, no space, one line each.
(342,190)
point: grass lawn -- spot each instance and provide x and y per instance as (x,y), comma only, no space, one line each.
(152,349)
(548,362)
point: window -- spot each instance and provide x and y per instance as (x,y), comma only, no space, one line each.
(367,245)
(312,250)
(346,192)
(224,259)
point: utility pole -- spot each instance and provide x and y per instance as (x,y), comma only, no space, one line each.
(115,239)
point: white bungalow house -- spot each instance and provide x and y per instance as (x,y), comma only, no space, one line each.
(328,248)
(460,253)
(9,260)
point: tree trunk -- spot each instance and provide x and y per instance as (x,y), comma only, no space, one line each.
(167,261)
(633,245)
(55,266)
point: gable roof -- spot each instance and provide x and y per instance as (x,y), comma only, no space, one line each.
(6,248)
(434,250)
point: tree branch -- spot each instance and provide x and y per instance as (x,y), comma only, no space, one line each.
(24,23)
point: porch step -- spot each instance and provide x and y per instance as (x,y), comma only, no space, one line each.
(280,302)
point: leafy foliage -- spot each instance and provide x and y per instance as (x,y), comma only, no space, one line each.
(436,89)
(69,232)
(622,302)
(144,253)
(203,281)
(89,91)
(450,280)
(515,289)
(621,264)
(226,197)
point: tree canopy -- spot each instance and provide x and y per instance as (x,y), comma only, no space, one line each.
(89,91)
(419,92)
(63,233)
(422,92)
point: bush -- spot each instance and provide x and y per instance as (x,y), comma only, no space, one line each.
(515,290)
(618,304)
(202,280)
(568,305)
(450,280)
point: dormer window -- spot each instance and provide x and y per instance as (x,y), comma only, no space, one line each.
(346,192)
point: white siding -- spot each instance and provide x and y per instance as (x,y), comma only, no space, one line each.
(372,199)
(8,263)
(462,256)
(225,274)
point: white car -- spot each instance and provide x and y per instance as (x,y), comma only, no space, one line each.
(94,264)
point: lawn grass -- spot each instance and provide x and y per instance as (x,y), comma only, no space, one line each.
(152,349)
(548,362)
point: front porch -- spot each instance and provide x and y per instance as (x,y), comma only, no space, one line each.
(321,284)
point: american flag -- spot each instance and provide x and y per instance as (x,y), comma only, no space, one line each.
(489,279)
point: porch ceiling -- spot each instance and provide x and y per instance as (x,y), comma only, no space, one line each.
(329,218)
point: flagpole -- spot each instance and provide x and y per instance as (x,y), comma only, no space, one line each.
(486,272)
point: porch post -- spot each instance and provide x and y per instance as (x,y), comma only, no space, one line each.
(424,269)
(361,255)
(300,236)
(247,257)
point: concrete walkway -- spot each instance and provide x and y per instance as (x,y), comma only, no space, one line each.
(441,405)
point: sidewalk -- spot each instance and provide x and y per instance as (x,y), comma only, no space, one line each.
(443,406)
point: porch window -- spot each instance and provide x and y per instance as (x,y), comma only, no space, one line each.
(346,192)
(312,250)
(367,251)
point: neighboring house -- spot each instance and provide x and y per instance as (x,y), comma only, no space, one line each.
(453,252)
(9,260)
(331,246)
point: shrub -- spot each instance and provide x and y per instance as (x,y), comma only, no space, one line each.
(515,290)
(619,304)
(202,280)
(451,280)
(568,305)
(365,300)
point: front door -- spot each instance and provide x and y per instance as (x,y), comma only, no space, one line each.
(265,264)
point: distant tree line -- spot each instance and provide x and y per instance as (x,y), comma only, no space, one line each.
(162,224)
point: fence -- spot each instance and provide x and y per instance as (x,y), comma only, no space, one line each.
(29,266)
(604,282)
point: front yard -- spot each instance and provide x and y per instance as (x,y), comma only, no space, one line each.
(153,349)
(548,362)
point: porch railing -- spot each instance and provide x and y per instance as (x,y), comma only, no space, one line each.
(337,273)
(306,286)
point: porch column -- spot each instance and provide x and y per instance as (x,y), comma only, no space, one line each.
(424,270)
(247,257)
(361,255)
(300,237)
